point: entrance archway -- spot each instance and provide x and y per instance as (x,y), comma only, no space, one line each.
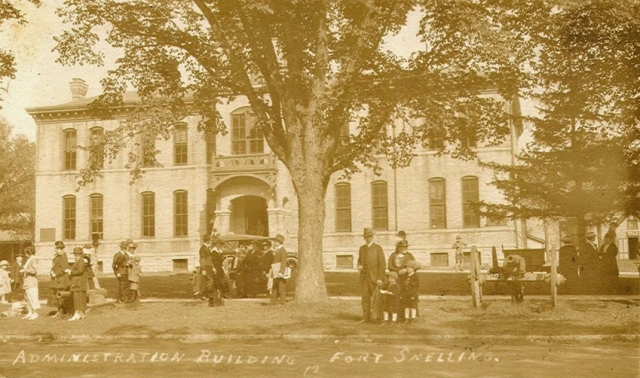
(249,216)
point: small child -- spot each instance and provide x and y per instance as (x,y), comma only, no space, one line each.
(197,282)
(134,278)
(410,291)
(391,298)
(5,281)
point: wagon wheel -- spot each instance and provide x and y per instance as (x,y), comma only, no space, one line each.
(227,264)
(292,263)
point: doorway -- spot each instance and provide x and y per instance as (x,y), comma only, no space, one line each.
(249,216)
(633,248)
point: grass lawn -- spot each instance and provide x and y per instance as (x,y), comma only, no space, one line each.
(338,284)
(338,317)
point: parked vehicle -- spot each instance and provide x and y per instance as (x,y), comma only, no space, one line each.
(233,251)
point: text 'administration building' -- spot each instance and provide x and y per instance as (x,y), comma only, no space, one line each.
(234,183)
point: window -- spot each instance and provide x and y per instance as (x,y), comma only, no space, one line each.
(470,218)
(632,223)
(69,217)
(343,207)
(468,138)
(439,259)
(148,214)
(437,203)
(96,216)
(148,149)
(211,145)
(496,221)
(180,213)
(70,150)
(379,204)
(96,159)
(180,144)
(246,135)
(436,139)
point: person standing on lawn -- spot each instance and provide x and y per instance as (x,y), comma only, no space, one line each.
(30,270)
(589,262)
(59,276)
(206,264)
(219,278)
(391,298)
(91,257)
(410,290)
(79,285)
(119,265)
(459,253)
(133,273)
(16,278)
(371,266)
(279,271)
(5,281)
(568,265)
(265,264)
(253,270)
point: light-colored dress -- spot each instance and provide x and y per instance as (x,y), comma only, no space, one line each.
(5,282)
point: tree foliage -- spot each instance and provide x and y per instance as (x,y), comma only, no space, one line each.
(307,68)
(582,162)
(8,13)
(17,182)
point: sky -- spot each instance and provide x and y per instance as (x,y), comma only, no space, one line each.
(41,81)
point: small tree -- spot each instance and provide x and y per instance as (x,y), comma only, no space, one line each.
(307,68)
(585,71)
(17,182)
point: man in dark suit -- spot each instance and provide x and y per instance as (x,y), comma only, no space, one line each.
(589,261)
(119,265)
(568,264)
(206,264)
(371,265)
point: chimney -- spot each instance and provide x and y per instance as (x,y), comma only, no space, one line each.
(78,88)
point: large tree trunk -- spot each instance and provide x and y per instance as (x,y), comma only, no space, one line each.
(310,190)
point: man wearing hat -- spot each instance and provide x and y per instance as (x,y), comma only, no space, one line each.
(16,278)
(206,265)
(119,265)
(265,264)
(59,276)
(371,265)
(279,271)
(459,253)
(220,287)
(568,263)
(401,236)
(589,260)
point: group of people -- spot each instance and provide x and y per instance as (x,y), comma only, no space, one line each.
(389,288)
(589,268)
(258,268)
(126,267)
(69,281)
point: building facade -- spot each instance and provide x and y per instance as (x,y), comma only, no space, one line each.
(235,184)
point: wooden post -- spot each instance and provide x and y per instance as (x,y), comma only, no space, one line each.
(554,274)
(473,273)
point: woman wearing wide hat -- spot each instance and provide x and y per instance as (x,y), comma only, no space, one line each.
(79,285)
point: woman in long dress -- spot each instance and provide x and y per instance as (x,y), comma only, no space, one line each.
(30,284)
(79,285)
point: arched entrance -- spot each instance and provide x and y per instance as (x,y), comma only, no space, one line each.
(249,216)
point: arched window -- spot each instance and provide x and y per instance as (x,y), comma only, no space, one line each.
(180,213)
(180,146)
(96,157)
(70,145)
(470,217)
(343,207)
(69,217)
(148,214)
(96,216)
(379,206)
(437,203)
(246,135)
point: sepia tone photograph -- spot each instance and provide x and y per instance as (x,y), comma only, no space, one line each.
(320,188)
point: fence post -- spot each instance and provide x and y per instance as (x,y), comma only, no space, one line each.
(554,274)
